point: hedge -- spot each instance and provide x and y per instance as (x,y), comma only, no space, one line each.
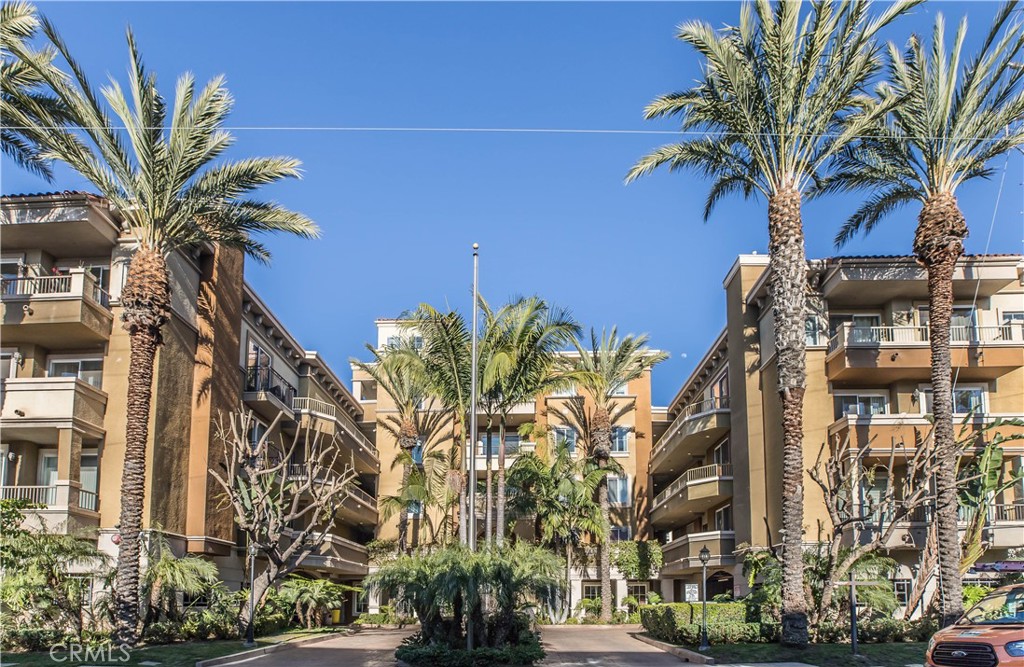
(879,631)
(526,653)
(671,615)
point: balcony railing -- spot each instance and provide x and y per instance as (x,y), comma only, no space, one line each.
(267,380)
(693,476)
(77,283)
(328,411)
(689,413)
(997,514)
(37,495)
(854,336)
(88,500)
(298,471)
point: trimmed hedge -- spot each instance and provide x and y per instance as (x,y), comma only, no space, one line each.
(527,652)
(680,623)
(879,631)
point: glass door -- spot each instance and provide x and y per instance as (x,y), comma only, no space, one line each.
(963,326)
(48,475)
(90,481)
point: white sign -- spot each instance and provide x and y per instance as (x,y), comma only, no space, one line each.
(691,592)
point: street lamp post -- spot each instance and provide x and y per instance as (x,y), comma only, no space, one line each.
(250,632)
(705,556)
(471,518)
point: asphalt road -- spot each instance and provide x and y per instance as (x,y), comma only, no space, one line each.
(368,648)
(600,646)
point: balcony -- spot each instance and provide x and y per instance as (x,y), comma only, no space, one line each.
(35,409)
(267,392)
(1003,527)
(697,427)
(64,225)
(359,508)
(876,434)
(338,555)
(892,353)
(57,312)
(695,491)
(514,446)
(683,554)
(362,452)
(66,508)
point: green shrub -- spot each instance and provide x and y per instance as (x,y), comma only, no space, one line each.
(878,631)
(31,639)
(527,652)
(680,623)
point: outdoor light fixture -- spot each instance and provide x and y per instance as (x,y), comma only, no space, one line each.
(705,556)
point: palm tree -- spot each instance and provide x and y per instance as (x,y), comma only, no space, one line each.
(525,337)
(23,89)
(608,364)
(950,118)
(172,197)
(312,598)
(778,99)
(167,575)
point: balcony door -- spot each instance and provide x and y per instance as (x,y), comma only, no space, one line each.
(48,474)
(864,327)
(89,476)
(963,324)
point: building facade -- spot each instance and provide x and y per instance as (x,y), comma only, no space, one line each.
(64,368)
(716,468)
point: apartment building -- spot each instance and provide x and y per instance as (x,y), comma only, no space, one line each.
(64,366)
(631,449)
(716,468)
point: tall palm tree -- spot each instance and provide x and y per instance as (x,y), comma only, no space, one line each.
(525,337)
(950,117)
(160,172)
(397,370)
(779,97)
(22,89)
(599,370)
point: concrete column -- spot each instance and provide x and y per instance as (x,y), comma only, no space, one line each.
(668,590)
(373,602)
(575,594)
(69,455)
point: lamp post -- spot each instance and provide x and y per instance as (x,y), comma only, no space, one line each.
(471,518)
(705,556)
(250,632)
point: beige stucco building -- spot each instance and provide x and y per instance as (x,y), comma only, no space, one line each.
(64,365)
(716,468)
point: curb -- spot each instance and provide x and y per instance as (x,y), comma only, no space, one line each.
(683,654)
(267,650)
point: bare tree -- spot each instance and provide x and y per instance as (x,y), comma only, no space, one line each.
(285,496)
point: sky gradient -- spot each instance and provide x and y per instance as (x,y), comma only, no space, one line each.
(399,210)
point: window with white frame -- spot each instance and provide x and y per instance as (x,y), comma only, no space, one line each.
(723,518)
(256,433)
(722,454)
(812,330)
(1013,317)
(863,327)
(618,491)
(902,588)
(966,399)
(565,435)
(591,591)
(860,403)
(566,392)
(639,592)
(722,385)
(88,370)
(620,533)
(620,440)
(7,365)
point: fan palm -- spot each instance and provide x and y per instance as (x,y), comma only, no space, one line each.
(599,370)
(156,167)
(22,89)
(953,117)
(525,336)
(779,97)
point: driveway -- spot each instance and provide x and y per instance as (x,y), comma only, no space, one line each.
(600,646)
(368,648)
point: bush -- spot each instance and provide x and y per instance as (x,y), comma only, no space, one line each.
(527,652)
(680,623)
(879,631)
(31,639)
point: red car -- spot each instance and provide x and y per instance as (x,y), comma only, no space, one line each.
(990,634)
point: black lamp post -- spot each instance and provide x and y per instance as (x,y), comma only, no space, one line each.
(705,556)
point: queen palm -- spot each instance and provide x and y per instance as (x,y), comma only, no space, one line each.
(23,89)
(779,97)
(158,167)
(953,117)
(525,337)
(608,364)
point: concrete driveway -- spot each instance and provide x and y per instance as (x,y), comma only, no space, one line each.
(600,646)
(368,648)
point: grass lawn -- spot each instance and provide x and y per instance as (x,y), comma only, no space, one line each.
(184,654)
(823,655)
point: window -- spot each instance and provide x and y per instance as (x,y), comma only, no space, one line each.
(417,453)
(722,385)
(256,356)
(567,392)
(619,389)
(723,518)
(638,591)
(620,440)
(591,591)
(722,454)
(566,435)
(7,365)
(415,509)
(812,330)
(860,404)
(87,370)
(902,588)
(1013,317)
(965,400)
(621,534)
(259,429)
(494,444)
(963,326)
(862,325)
(618,491)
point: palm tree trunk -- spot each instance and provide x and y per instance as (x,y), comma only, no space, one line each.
(938,243)
(499,531)
(604,553)
(403,514)
(787,286)
(146,302)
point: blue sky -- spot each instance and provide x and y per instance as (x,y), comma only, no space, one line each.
(399,210)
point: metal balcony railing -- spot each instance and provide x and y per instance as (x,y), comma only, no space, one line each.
(689,413)
(266,379)
(78,283)
(694,476)
(37,495)
(849,335)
